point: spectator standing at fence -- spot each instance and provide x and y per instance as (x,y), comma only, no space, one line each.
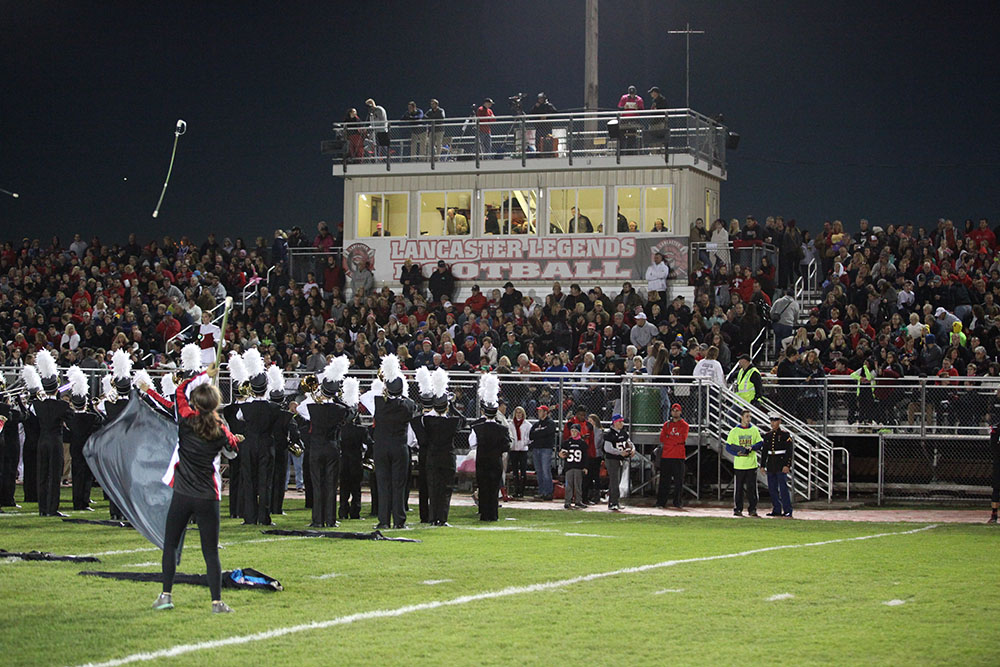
(379,122)
(485,114)
(435,114)
(355,135)
(617,450)
(543,131)
(865,377)
(673,436)
(541,444)
(418,131)
(743,443)
(777,454)
(573,452)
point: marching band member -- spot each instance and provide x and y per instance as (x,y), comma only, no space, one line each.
(286,437)
(426,392)
(240,379)
(52,413)
(355,444)
(392,413)
(29,453)
(259,416)
(82,422)
(440,426)
(326,414)
(11,417)
(490,438)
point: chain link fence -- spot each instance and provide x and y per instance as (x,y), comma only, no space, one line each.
(936,468)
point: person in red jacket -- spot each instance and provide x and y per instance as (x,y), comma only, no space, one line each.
(673,435)
(477,301)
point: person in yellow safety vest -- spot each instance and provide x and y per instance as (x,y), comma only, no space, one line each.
(743,443)
(748,383)
(866,391)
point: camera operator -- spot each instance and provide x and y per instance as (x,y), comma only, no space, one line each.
(544,141)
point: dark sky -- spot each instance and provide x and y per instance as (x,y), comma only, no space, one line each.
(885,110)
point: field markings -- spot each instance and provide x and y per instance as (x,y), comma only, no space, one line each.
(148,564)
(894,603)
(668,590)
(183,649)
(330,575)
(525,529)
(435,582)
(780,596)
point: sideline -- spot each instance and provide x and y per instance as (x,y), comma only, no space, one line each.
(182,649)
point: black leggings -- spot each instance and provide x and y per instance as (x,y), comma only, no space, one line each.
(206,514)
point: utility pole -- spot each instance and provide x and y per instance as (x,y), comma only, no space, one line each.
(687,32)
(590,99)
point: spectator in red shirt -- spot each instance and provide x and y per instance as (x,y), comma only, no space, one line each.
(168,328)
(485,115)
(477,301)
(673,437)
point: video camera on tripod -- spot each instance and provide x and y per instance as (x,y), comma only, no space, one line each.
(516,104)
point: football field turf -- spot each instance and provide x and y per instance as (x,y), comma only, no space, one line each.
(539,587)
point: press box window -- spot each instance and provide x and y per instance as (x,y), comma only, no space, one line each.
(445,213)
(510,211)
(382,214)
(576,210)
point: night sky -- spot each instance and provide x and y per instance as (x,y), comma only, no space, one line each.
(885,110)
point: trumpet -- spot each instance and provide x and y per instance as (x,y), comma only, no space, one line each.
(308,384)
(296,448)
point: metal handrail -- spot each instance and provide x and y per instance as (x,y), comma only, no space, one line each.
(434,141)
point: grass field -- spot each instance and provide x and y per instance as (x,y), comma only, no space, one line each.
(547,602)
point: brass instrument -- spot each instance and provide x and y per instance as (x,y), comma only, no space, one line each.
(296,448)
(308,384)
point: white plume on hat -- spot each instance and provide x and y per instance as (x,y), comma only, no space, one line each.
(121,364)
(275,378)
(107,386)
(390,368)
(46,364)
(167,386)
(77,381)
(254,362)
(424,384)
(351,392)
(191,358)
(237,369)
(335,370)
(439,382)
(489,389)
(31,378)
(141,378)
(378,387)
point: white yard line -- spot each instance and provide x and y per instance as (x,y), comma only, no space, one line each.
(668,590)
(183,649)
(435,582)
(780,596)
(894,603)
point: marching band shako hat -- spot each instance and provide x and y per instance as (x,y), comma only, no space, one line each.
(79,388)
(392,375)
(258,374)
(48,371)
(489,393)
(332,377)
(424,387)
(439,387)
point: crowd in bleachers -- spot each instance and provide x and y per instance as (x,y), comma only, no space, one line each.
(913,300)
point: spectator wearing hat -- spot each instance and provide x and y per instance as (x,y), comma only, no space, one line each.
(673,436)
(484,114)
(642,333)
(511,297)
(441,283)
(477,301)
(618,449)
(541,444)
(777,454)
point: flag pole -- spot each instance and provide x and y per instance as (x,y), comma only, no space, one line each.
(222,336)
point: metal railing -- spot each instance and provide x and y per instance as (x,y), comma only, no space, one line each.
(925,406)
(562,137)
(732,253)
(188,331)
(302,261)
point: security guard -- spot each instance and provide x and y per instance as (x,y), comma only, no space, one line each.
(743,443)
(748,383)
(778,463)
